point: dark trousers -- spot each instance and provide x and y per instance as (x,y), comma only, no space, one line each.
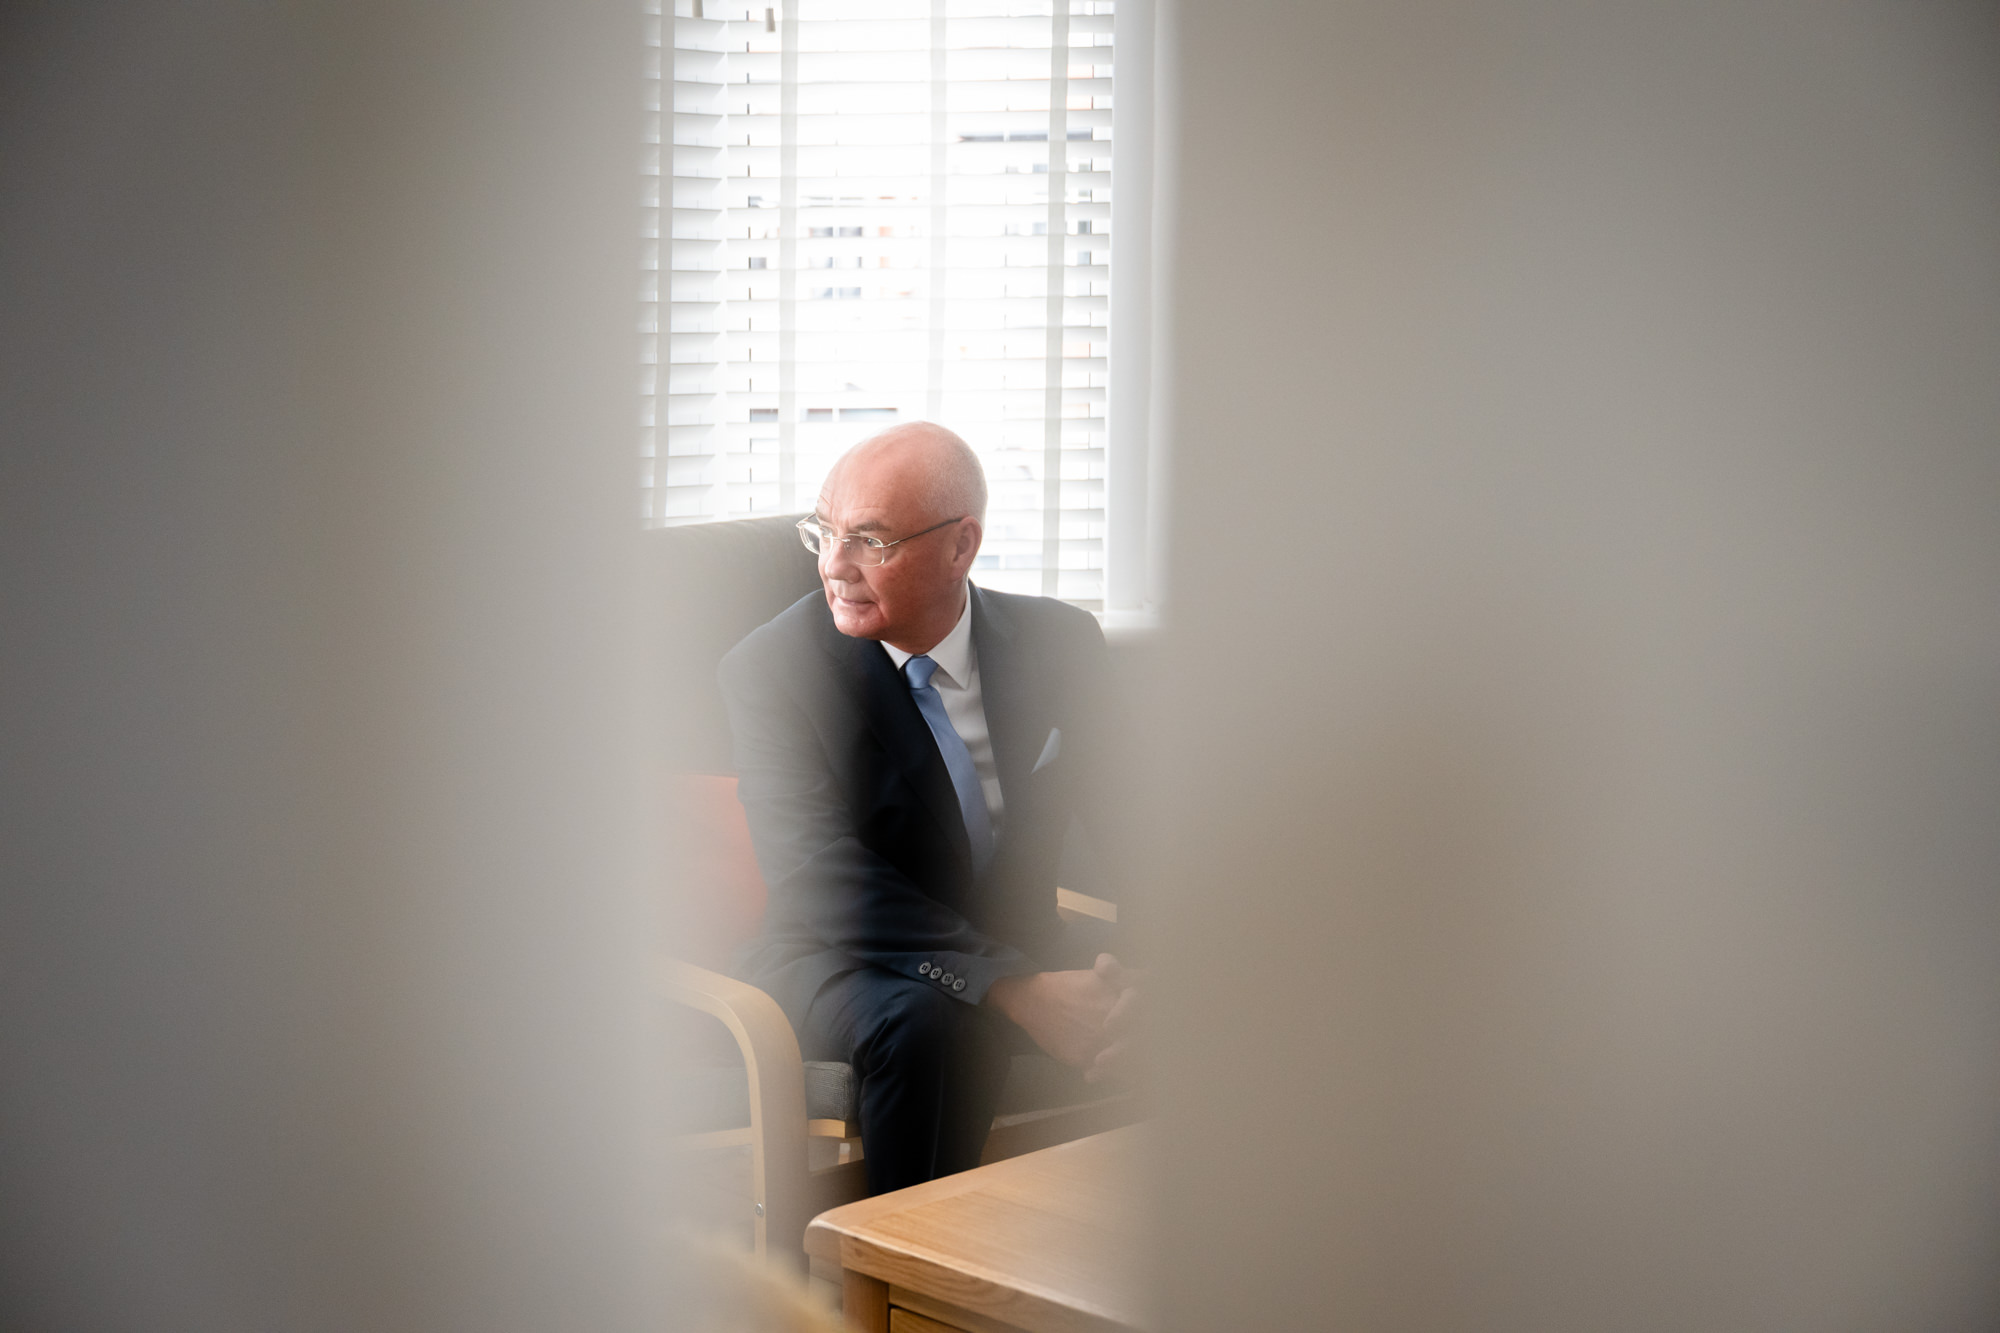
(931,1069)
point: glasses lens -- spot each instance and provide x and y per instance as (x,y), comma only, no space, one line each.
(857,549)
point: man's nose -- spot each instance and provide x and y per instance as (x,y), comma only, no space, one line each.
(837,564)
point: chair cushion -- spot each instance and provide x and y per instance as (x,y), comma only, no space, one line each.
(703,1098)
(832,1091)
(720,894)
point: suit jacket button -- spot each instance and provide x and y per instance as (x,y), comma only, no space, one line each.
(959,984)
(923,969)
(946,978)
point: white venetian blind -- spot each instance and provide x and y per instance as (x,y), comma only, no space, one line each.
(873,211)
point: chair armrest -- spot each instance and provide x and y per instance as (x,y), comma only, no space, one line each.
(1070,905)
(777,1092)
(761,1030)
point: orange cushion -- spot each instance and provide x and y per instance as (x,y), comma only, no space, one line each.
(720,892)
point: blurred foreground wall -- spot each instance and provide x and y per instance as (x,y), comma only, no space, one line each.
(1583,820)
(323,925)
(1583,699)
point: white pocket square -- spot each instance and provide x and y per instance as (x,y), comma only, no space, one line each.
(1050,750)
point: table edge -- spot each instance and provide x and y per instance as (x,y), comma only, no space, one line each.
(1007,1302)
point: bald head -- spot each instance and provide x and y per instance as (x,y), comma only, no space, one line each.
(925,465)
(919,493)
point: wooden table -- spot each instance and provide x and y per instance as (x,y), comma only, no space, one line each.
(1048,1242)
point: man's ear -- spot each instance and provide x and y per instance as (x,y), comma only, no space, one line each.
(970,534)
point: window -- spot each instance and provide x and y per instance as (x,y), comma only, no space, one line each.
(957,153)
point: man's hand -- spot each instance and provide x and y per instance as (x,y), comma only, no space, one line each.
(1087,1018)
(1063,1011)
(1119,1054)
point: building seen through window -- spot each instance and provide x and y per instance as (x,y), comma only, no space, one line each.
(950,162)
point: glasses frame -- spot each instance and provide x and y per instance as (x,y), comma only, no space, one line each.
(873,546)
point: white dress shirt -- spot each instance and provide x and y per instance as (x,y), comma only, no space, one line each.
(957,682)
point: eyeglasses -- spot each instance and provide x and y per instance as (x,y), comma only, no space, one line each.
(858,547)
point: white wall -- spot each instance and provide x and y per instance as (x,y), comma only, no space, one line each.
(324,930)
(1581,821)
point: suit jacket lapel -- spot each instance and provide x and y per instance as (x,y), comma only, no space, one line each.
(1004,692)
(884,699)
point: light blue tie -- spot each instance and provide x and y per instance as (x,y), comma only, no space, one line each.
(957,760)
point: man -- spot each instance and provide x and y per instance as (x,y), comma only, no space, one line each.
(910,751)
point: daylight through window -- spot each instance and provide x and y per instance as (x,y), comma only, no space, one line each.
(872,211)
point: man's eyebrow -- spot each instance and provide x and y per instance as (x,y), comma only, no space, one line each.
(866,525)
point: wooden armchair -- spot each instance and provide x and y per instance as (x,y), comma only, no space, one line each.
(798,1119)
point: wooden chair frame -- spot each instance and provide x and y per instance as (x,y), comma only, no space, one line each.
(786,1190)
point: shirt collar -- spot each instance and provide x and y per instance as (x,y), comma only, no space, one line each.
(953,653)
